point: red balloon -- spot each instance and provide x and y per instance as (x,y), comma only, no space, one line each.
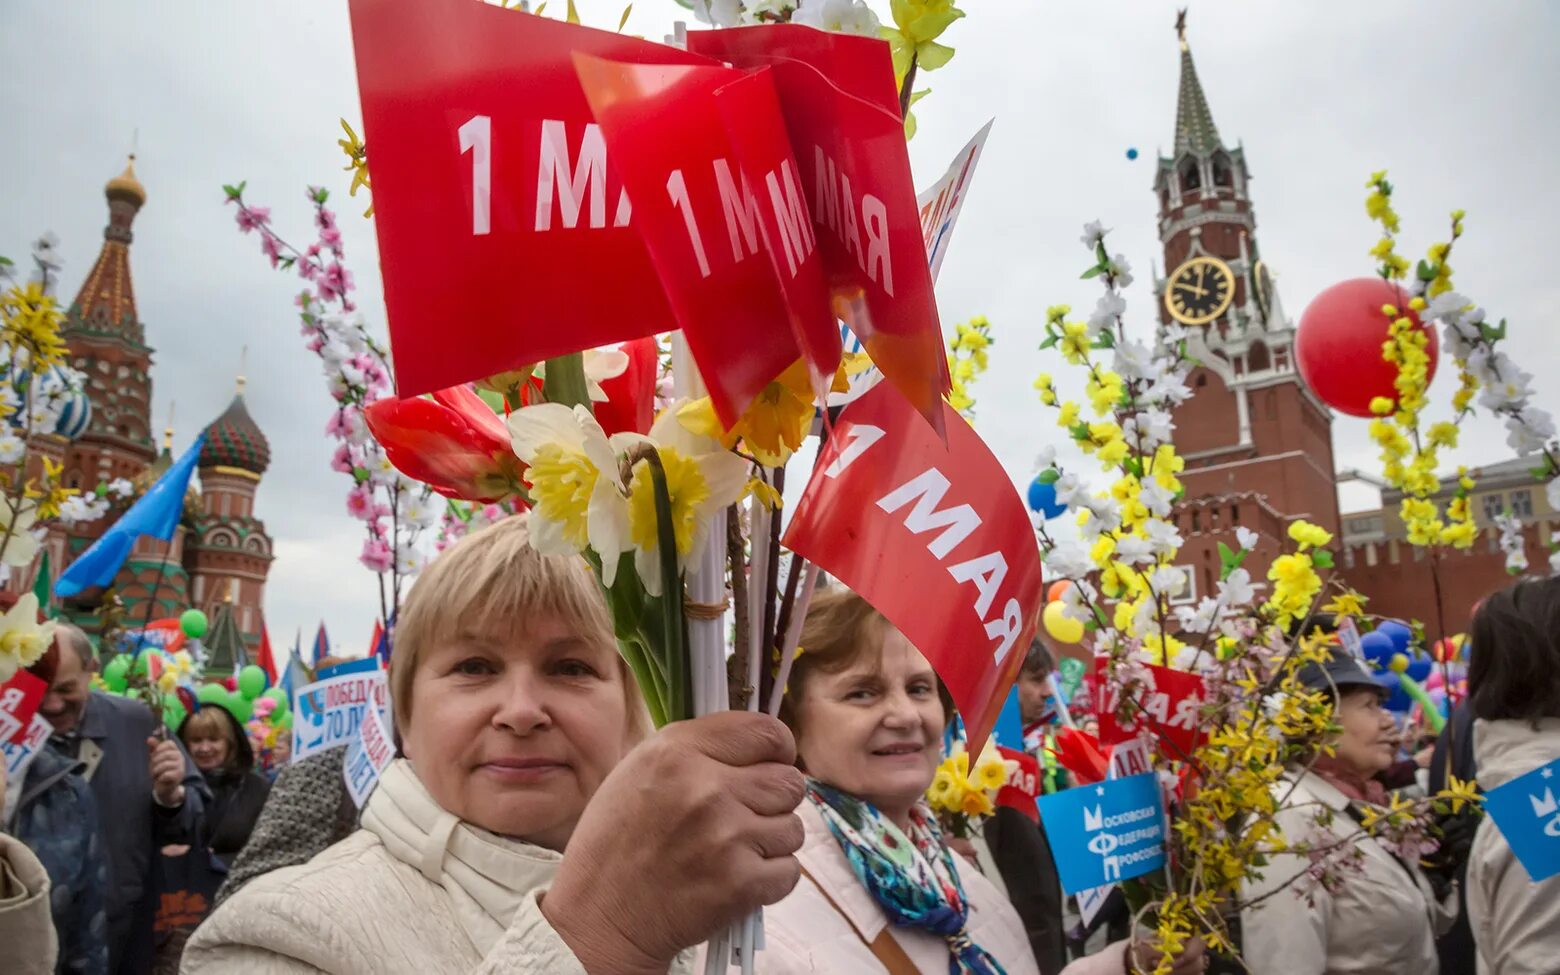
(231,683)
(1338,344)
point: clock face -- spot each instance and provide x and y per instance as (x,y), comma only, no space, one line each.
(1199,291)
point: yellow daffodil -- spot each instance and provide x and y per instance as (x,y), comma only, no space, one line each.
(778,421)
(917,25)
(17,545)
(22,638)
(764,492)
(702,477)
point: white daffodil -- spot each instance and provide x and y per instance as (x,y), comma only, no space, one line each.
(17,545)
(577,492)
(702,477)
(22,638)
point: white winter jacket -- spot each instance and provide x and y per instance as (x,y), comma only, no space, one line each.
(414,890)
(1383,921)
(1515,921)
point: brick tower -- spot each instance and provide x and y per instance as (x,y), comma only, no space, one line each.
(1257,443)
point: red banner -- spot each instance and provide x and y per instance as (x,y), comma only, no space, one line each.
(708,205)
(1023,786)
(19,700)
(504,230)
(934,536)
(1171,704)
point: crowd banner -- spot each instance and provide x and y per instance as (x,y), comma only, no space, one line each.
(934,536)
(1126,759)
(367,757)
(1104,833)
(1528,816)
(1171,709)
(20,751)
(19,700)
(328,713)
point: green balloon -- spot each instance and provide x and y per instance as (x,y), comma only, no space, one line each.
(211,694)
(193,624)
(237,706)
(114,673)
(142,662)
(282,708)
(251,682)
(286,723)
(173,713)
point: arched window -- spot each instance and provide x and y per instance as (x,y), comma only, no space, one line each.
(1191,175)
(1222,174)
(1257,359)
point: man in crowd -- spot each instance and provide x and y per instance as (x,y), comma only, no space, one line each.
(148,792)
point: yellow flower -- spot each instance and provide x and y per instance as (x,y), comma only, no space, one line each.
(1075,342)
(765,492)
(776,423)
(22,638)
(1068,418)
(32,318)
(917,25)
(1460,535)
(357,163)
(1382,405)
(991,773)
(977,803)
(1346,603)
(942,789)
(1459,792)
(1308,535)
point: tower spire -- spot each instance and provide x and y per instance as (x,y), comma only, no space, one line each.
(1194,128)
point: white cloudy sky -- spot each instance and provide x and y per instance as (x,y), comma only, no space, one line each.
(1457,99)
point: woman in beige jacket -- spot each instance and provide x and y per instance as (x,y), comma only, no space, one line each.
(514,710)
(26,926)
(880,891)
(1514,689)
(1384,917)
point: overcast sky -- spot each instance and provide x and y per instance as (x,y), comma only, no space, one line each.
(1457,99)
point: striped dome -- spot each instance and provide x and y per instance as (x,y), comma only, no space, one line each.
(235,440)
(75,416)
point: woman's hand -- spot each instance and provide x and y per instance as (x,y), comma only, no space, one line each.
(167,768)
(691,832)
(1144,956)
(965,849)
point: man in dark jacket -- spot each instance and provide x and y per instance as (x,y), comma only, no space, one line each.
(149,794)
(56,817)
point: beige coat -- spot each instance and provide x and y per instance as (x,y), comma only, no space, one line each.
(1383,921)
(1515,921)
(805,934)
(26,927)
(414,890)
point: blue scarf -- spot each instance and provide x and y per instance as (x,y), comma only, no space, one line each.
(912,878)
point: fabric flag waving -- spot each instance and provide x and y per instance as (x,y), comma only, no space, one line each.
(264,657)
(321,645)
(295,675)
(379,646)
(155,514)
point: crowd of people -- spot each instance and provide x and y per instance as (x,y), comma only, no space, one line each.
(533,821)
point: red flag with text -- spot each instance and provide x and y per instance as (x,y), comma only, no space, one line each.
(1023,786)
(19,700)
(934,536)
(1169,708)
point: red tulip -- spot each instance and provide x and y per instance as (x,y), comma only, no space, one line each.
(630,405)
(453,443)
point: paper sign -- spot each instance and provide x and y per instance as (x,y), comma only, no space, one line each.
(1069,676)
(363,665)
(1023,786)
(935,537)
(328,713)
(1171,709)
(20,753)
(19,700)
(1349,636)
(491,178)
(1104,833)
(1528,816)
(367,757)
(1126,759)
(942,202)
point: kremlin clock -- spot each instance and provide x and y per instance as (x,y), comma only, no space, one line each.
(1199,291)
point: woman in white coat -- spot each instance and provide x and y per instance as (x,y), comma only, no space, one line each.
(1514,689)
(880,891)
(514,710)
(1383,917)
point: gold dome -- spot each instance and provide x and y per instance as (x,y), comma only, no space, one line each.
(126,186)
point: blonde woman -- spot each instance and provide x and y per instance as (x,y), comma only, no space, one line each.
(514,712)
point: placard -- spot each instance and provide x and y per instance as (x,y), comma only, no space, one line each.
(367,757)
(328,713)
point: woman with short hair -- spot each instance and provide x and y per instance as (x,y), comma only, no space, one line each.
(880,891)
(514,711)
(1514,690)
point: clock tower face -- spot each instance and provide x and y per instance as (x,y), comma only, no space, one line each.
(1199,291)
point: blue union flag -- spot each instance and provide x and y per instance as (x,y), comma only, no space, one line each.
(1528,816)
(1104,833)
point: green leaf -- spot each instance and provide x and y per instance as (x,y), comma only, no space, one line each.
(624,19)
(1106,339)
(1322,558)
(1049,476)
(1133,465)
(1226,554)
(360,474)
(1428,271)
(1099,252)
(1093,272)
(1079,431)
(231,191)
(1050,342)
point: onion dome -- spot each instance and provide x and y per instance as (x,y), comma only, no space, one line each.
(126,187)
(75,414)
(235,440)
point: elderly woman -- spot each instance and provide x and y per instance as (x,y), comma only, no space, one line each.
(1514,689)
(1384,917)
(880,890)
(514,710)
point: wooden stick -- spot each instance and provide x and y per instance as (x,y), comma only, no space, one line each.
(793,636)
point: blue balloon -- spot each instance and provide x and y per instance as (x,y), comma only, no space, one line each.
(1398,633)
(1418,670)
(1042,500)
(1398,701)
(1377,646)
(1132,153)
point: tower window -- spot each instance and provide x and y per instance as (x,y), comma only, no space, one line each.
(1258,359)
(1191,175)
(1522,503)
(1494,504)
(1222,175)
(1196,521)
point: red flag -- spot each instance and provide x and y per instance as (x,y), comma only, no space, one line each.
(504,233)
(934,536)
(1023,786)
(265,658)
(1169,708)
(19,700)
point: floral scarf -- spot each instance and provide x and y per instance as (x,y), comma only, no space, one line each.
(912,878)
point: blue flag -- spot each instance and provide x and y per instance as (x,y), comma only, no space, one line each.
(155,514)
(1528,816)
(294,674)
(1009,729)
(362,665)
(1107,832)
(381,648)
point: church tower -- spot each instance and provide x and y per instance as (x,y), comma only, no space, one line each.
(1257,443)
